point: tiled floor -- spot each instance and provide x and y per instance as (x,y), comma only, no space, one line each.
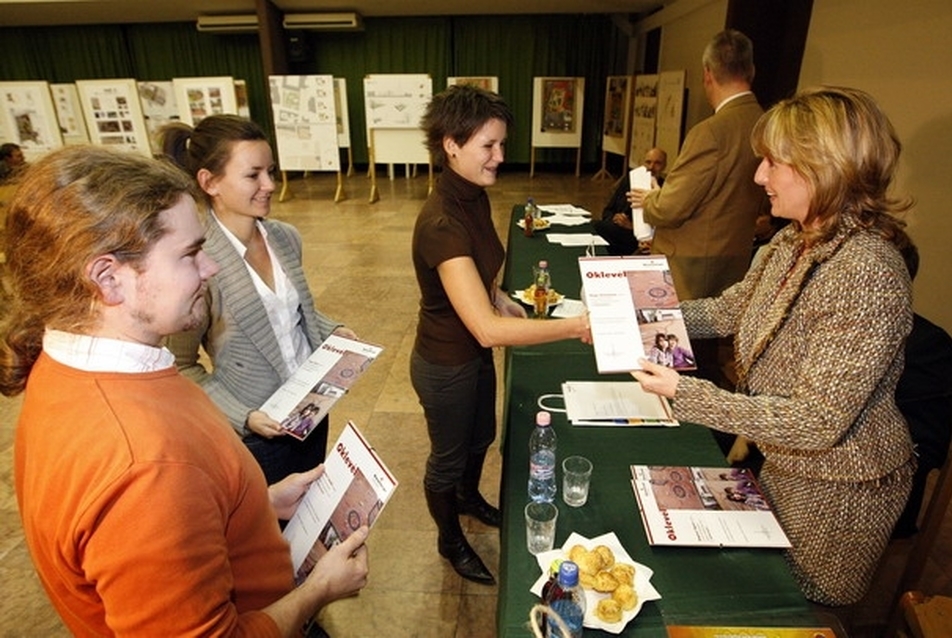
(358,261)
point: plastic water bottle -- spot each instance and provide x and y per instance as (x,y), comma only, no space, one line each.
(542,459)
(542,280)
(566,599)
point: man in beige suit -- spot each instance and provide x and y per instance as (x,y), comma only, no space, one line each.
(705,213)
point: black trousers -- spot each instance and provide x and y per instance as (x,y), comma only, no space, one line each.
(459,403)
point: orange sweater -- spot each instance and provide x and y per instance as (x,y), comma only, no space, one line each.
(144,513)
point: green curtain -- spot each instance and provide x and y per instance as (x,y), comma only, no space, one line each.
(64,54)
(515,48)
(391,45)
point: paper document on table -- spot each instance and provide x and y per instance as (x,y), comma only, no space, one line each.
(564,209)
(614,403)
(635,313)
(561,219)
(640,178)
(576,239)
(569,308)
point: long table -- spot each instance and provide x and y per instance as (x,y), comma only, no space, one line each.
(699,586)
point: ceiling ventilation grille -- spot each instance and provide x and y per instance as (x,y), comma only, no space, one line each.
(347,21)
(228,23)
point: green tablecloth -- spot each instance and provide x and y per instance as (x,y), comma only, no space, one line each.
(699,586)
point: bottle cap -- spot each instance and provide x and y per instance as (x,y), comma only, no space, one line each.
(568,574)
(543,418)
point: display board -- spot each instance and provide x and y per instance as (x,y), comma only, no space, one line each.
(396,100)
(198,98)
(341,112)
(29,118)
(557,108)
(69,112)
(670,111)
(617,128)
(487,82)
(159,107)
(394,105)
(305,122)
(644,115)
(114,115)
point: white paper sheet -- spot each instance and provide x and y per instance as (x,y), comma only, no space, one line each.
(640,178)
(576,239)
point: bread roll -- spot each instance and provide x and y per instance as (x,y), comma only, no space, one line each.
(624,573)
(626,597)
(609,610)
(605,553)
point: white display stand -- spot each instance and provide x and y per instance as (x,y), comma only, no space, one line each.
(487,82)
(69,112)
(198,98)
(616,131)
(644,115)
(305,125)
(114,114)
(29,118)
(343,121)
(670,111)
(159,108)
(394,105)
(557,109)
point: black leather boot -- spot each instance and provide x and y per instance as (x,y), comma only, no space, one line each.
(452,544)
(469,500)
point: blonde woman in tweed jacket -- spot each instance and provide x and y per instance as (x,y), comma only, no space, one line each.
(819,326)
(262,323)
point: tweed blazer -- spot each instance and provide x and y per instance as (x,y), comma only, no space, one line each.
(237,336)
(819,341)
(704,214)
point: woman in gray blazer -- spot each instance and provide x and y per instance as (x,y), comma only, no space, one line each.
(262,323)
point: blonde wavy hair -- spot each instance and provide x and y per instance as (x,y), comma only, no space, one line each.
(844,146)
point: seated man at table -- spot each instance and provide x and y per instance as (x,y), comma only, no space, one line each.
(615,226)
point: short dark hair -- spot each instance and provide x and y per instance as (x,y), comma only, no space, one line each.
(457,113)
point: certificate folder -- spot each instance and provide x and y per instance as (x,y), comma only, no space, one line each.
(704,507)
(635,313)
(306,398)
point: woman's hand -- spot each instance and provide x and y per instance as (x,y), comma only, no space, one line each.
(287,493)
(263,425)
(585,330)
(657,379)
